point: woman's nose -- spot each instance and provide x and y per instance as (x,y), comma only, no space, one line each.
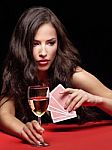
(43,51)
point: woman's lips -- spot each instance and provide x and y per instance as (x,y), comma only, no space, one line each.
(43,62)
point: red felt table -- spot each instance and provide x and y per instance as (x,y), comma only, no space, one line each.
(91,136)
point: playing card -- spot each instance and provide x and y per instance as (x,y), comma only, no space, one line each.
(55,94)
(56,105)
(51,108)
(60,98)
(60,117)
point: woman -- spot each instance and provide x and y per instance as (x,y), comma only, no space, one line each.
(41,53)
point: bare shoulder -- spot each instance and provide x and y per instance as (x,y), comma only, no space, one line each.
(82,75)
(82,79)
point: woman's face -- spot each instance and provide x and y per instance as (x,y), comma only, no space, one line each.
(45,46)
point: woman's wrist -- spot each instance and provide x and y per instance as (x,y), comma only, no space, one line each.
(99,101)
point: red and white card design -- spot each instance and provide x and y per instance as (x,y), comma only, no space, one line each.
(56,105)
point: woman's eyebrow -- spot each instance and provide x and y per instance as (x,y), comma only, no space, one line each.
(52,39)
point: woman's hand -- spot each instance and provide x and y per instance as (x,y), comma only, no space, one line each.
(78,97)
(32,132)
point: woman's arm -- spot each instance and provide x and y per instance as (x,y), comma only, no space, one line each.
(88,91)
(89,83)
(31,131)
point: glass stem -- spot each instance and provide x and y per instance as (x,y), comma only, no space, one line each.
(39,120)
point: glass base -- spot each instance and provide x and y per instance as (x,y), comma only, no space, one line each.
(41,144)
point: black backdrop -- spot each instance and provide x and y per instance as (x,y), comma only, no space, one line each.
(88,24)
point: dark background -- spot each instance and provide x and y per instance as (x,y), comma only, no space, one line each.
(88,24)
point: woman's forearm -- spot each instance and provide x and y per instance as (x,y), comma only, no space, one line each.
(105,105)
(10,124)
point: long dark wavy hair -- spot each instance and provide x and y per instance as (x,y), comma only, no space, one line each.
(20,69)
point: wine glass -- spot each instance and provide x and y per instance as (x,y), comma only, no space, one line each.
(38,99)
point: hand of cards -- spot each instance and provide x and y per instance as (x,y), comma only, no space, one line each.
(56,105)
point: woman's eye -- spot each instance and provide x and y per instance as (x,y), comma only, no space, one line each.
(35,44)
(51,43)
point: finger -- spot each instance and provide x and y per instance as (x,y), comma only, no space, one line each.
(68,90)
(36,133)
(37,127)
(26,137)
(74,102)
(70,99)
(83,101)
(30,135)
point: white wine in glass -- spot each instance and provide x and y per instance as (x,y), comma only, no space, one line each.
(38,99)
